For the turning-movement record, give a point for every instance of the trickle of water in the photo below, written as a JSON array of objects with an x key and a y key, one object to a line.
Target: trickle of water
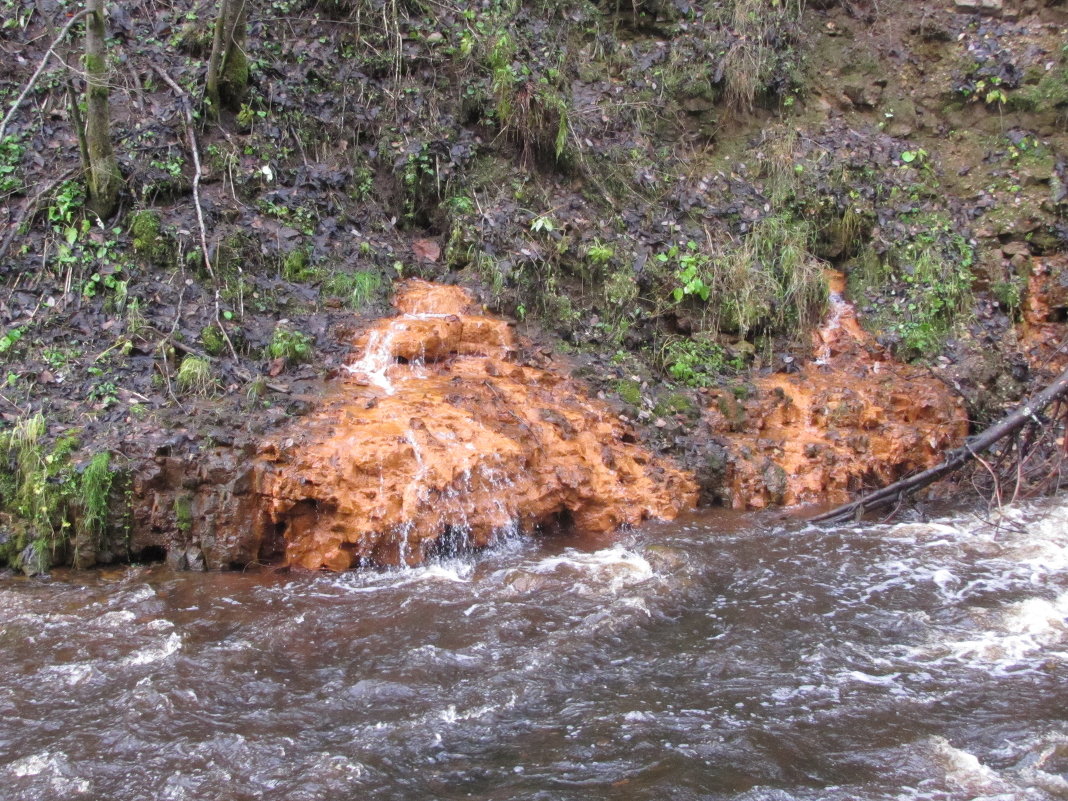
[{"x": 373, "y": 366}]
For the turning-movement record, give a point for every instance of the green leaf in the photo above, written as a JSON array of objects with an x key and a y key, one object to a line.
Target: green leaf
[{"x": 908, "y": 156}]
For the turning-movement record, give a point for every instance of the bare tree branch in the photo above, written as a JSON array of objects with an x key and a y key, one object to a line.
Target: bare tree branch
[{"x": 1007, "y": 426}]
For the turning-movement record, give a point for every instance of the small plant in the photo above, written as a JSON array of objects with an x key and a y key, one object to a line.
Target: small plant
[
  {"x": 599, "y": 253},
  {"x": 105, "y": 393},
  {"x": 293, "y": 346},
  {"x": 689, "y": 265},
  {"x": 194, "y": 376},
  {"x": 11, "y": 151},
  {"x": 693, "y": 362},
  {"x": 543, "y": 224},
  {"x": 460, "y": 204},
  {"x": 919, "y": 156},
  {"x": 10, "y": 339}
]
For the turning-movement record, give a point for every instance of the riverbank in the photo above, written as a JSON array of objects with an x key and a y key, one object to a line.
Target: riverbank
[{"x": 654, "y": 197}]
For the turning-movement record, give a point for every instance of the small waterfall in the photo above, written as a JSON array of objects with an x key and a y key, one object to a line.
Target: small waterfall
[
  {"x": 439, "y": 438},
  {"x": 376, "y": 360},
  {"x": 836, "y": 423}
]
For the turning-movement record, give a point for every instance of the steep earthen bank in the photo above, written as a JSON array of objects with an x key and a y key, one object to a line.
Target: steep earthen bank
[
  {"x": 434, "y": 437},
  {"x": 631, "y": 191}
]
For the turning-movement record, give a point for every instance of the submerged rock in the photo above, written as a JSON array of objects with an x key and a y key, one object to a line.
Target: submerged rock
[{"x": 438, "y": 433}]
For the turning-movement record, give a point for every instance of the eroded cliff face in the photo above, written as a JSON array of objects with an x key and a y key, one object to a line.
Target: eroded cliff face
[
  {"x": 853, "y": 418},
  {"x": 436, "y": 433}
]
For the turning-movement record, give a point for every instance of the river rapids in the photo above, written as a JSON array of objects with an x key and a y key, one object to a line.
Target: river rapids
[{"x": 714, "y": 657}]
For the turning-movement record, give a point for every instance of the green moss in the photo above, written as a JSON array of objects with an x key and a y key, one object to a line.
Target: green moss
[
  {"x": 677, "y": 403},
  {"x": 630, "y": 392},
  {"x": 235, "y": 73},
  {"x": 183, "y": 513},
  {"x": 212, "y": 339},
  {"x": 1049, "y": 92},
  {"x": 149, "y": 242}
]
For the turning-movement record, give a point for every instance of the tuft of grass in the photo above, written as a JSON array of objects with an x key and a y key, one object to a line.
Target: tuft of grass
[
  {"x": 95, "y": 488},
  {"x": 357, "y": 288},
  {"x": 768, "y": 280},
  {"x": 194, "y": 376}
]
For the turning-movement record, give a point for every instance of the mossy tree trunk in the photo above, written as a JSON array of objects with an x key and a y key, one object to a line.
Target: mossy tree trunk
[
  {"x": 102, "y": 171},
  {"x": 227, "y": 77}
]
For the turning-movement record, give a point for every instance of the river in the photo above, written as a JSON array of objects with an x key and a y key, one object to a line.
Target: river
[{"x": 717, "y": 657}]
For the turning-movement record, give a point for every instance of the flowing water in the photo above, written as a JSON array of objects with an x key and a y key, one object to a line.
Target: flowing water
[{"x": 712, "y": 658}]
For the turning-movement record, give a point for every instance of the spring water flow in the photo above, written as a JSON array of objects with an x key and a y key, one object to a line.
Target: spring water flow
[{"x": 710, "y": 658}]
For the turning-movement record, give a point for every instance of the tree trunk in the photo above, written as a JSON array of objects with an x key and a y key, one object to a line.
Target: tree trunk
[
  {"x": 103, "y": 177},
  {"x": 227, "y": 77}
]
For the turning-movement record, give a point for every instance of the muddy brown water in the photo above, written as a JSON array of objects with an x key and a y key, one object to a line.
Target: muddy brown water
[{"x": 711, "y": 658}]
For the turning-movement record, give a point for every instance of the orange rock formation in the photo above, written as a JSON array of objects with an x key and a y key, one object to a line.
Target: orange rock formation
[
  {"x": 1045, "y": 311},
  {"x": 853, "y": 419},
  {"x": 437, "y": 432}
]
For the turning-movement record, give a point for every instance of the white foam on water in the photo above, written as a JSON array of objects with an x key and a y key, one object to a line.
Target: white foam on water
[
  {"x": 118, "y": 618},
  {"x": 964, "y": 770},
  {"x": 614, "y": 568},
  {"x": 1016, "y": 632},
  {"x": 33, "y": 765},
  {"x": 71, "y": 675},
  {"x": 147, "y": 656}
]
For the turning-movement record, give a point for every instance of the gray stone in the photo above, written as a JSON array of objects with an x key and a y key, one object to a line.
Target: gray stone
[{"x": 994, "y": 8}]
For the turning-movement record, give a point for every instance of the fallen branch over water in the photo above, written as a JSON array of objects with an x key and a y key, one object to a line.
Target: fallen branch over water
[{"x": 972, "y": 448}]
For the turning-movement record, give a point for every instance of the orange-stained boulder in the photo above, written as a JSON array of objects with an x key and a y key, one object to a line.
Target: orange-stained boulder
[
  {"x": 853, "y": 419},
  {"x": 460, "y": 442}
]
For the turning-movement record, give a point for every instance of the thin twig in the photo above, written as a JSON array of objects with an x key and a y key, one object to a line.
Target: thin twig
[{"x": 183, "y": 98}]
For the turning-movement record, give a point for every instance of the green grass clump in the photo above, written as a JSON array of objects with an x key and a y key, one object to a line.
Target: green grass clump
[
  {"x": 194, "y": 376},
  {"x": 293, "y": 346},
  {"x": 297, "y": 266},
  {"x": 767, "y": 280},
  {"x": 95, "y": 486},
  {"x": 357, "y": 289}
]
